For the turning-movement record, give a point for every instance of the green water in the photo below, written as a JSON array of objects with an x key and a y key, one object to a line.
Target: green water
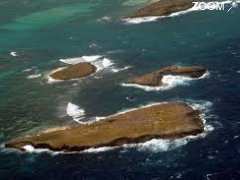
[{"x": 50, "y": 17}]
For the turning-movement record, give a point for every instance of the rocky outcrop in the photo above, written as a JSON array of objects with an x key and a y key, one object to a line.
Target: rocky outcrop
[
  {"x": 167, "y": 120},
  {"x": 155, "y": 78},
  {"x": 163, "y": 8},
  {"x": 74, "y": 71}
]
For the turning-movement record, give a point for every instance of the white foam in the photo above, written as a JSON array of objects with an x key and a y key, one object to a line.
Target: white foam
[
  {"x": 77, "y": 60},
  {"x": 105, "y": 19},
  {"x": 51, "y": 80},
  {"x": 31, "y": 149},
  {"x": 200, "y": 105},
  {"x": 161, "y": 145},
  {"x": 204, "y": 76},
  {"x": 98, "y": 150},
  {"x": 28, "y": 148},
  {"x": 116, "y": 70},
  {"x": 27, "y": 70},
  {"x": 75, "y": 112},
  {"x": 140, "y": 20},
  {"x": 13, "y": 53},
  {"x": 34, "y": 76},
  {"x": 204, "y": 107},
  {"x": 168, "y": 82},
  {"x": 103, "y": 64},
  {"x": 98, "y": 61}
]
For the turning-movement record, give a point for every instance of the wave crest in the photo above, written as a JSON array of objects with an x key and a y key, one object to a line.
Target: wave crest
[
  {"x": 75, "y": 112},
  {"x": 168, "y": 82},
  {"x": 140, "y": 20},
  {"x": 99, "y": 61}
]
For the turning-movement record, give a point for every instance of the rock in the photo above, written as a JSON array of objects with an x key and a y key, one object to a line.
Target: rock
[
  {"x": 163, "y": 8},
  {"x": 166, "y": 120},
  {"x": 155, "y": 78},
  {"x": 74, "y": 71}
]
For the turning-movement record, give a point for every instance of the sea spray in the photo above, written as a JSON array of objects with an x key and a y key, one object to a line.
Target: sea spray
[
  {"x": 116, "y": 70},
  {"x": 139, "y": 20},
  {"x": 75, "y": 112},
  {"x": 34, "y": 76},
  {"x": 13, "y": 53},
  {"x": 168, "y": 82},
  {"x": 77, "y": 60},
  {"x": 98, "y": 61}
]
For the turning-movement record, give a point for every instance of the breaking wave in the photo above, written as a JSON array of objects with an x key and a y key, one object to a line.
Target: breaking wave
[
  {"x": 27, "y": 70},
  {"x": 80, "y": 59},
  {"x": 51, "y": 80},
  {"x": 99, "y": 61},
  {"x": 168, "y": 82},
  {"x": 105, "y": 19},
  {"x": 116, "y": 70},
  {"x": 75, "y": 112},
  {"x": 140, "y": 20},
  {"x": 13, "y": 53},
  {"x": 34, "y": 76}
]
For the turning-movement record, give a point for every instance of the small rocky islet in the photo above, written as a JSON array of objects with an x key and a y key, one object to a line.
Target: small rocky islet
[
  {"x": 163, "y": 8},
  {"x": 166, "y": 120},
  {"x": 75, "y": 71},
  {"x": 155, "y": 78}
]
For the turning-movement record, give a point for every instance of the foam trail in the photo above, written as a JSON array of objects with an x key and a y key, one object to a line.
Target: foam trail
[
  {"x": 31, "y": 149},
  {"x": 116, "y": 70},
  {"x": 168, "y": 82},
  {"x": 28, "y": 148},
  {"x": 105, "y": 19},
  {"x": 34, "y": 76},
  {"x": 75, "y": 112},
  {"x": 14, "y": 54},
  {"x": 140, "y": 20},
  {"x": 27, "y": 70},
  {"x": 98, "y": 150},
  {"x": 204, "y": 107},
  {"x": 77, "y": 60}
]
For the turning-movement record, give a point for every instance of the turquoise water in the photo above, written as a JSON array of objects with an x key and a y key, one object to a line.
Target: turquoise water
[{"x": 42, "y": 32}]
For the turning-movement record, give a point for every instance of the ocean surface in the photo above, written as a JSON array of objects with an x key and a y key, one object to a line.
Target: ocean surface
[{"x": 35, "y": 35}]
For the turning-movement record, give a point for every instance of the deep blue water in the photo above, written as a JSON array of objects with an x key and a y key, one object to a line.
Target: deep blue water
[{"x": 43, "y": 32}]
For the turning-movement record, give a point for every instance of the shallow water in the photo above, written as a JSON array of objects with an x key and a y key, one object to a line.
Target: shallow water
[{"x": 42, "y": 32}]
